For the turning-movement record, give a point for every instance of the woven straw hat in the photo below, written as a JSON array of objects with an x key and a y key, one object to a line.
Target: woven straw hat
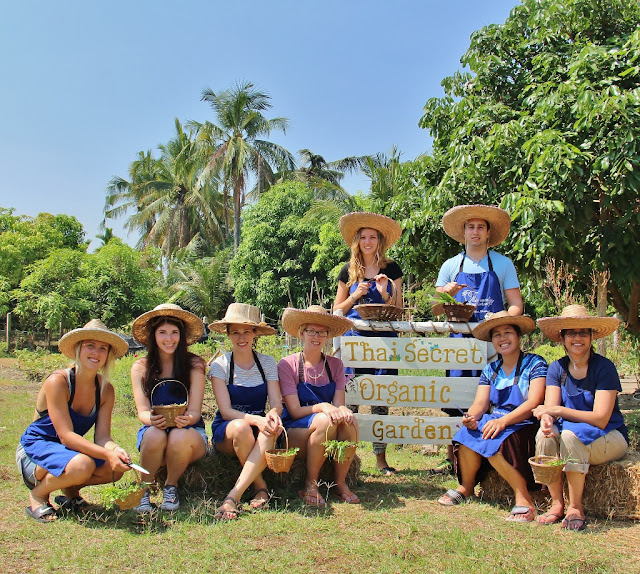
[
  {"x": 351, "y": 222},
  {"x": 293, "y": 319},
  {"x": 193, "y": 326},
  {"x": 482, "y": 331},
  {"x": 453, "y": 221},
  {"x": 242, "y": 314},
  {"x": 96, "y": 330},
  {"x": 577, "y": 317}
]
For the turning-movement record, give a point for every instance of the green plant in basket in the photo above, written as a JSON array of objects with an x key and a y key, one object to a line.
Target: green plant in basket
[
  {"x": 339, "y": 450},
  {"x": 115, "y": 494}
]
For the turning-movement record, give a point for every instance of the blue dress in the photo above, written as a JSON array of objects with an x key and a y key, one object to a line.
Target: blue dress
[
  {"x": 168, "y": 392},
  {"x": 41, "y": 442},
  {"x": 309, "y": 395},
  {"x": 250, "y": 400},
  {"x": 506, "y": 395}
]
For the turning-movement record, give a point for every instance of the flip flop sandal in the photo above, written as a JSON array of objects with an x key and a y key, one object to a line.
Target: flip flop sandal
[
  {"x": 556, "y": 518},
  {"x": 388, "y": 471},
  {"x": 227, "y": 514},
  {"x": 259, "y": 503},
  {"x": 452, "y": 498},
  {"x": 348, "y": 498},
  {"x": 574, "y": 522},
  {"x": 312, "y": 499},
  {"x": 42, "y": 513},
  {"x": 521, "y": 514}
]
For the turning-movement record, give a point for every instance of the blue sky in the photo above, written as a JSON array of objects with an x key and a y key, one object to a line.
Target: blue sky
[{"x": 86, "y": 85}]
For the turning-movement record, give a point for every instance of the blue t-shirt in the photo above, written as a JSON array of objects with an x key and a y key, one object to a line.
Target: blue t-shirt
[
  {"x": 502, "y": 267},
  {"x": 580, "y": 394},
  {"x": 533, "y": 367}
]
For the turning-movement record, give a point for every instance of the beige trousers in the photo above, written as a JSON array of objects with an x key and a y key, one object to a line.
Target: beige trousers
[{"x": 611, "y": 446}]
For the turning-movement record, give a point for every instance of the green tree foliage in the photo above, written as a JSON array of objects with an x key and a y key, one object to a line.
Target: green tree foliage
[
  {"x": 24, "y": 240},
  {"x": 545, "y": 124},
  {"x": 200, "y": 283},
  {"x": 69, "y": 286},
  {"x": 272, "y": 268},
  {"x": 234, "y": 144},
  {"x": 169, "y": 200}
]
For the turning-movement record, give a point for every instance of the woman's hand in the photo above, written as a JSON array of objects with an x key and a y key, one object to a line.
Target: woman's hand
[
  {"x": 361, "y": 290},
  {"x": 469, "y": 421},
  {"x": 336, "y": 416},
  {"x": 272, "y": 424},
  {"x": 382, "y": 281},
  {"x": 158, "y": 421},
  {"x": 118, "y": 459},
  {"x": 349, "y": 417},
  {"x": 546, "y": 425},
  {"x": 493, "y": 427},
  {"x": 550, "y": 410},
  {"x": 184, "y": 420}
]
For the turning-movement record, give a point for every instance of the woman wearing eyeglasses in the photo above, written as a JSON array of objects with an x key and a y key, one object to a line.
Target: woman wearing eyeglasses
[
  {"x": 312, "y": 386},
  {"x": 580, "y": 416}
]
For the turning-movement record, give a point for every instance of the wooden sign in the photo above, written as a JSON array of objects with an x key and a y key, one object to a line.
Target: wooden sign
[
  {"x": 413, "y": 391},
  {"x": 408, "y": 429},
  {"x": 413, "y": 353}
]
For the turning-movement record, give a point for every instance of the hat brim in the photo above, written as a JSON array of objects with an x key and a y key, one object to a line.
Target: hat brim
[
  {"x": 194, "y": 327},
  {"x": 453, "y": 222},
  {"x": 600, "y": 326},
  {"x": 482, "y": 331},
  {"x": 260, "y": 330},
  {"x": 351, "y": 222},
  {"x": 68, "y": 342},
  {"x": 293, "y": 319}
]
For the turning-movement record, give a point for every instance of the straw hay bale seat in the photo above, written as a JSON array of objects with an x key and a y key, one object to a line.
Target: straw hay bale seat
[
  {"x": 216, "y": 474},
  {"x": 612, "y": 490}
]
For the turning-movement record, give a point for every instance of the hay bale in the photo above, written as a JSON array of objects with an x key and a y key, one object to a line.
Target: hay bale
[
  {"x": 612, "y": 490},
  {"x": 216, "y": 474}
]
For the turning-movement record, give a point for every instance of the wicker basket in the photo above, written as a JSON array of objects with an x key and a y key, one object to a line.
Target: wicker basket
[
  {"x": 279, "y": 459},
  {"x": 169, "y": 412},
  {"x": 131, "y": 500},
  {"x": 543, "y": 472},
  {"x": 347, "y": 454},
  {"x": 458, "y": 313},
  {"x": 379, "y": 312}
]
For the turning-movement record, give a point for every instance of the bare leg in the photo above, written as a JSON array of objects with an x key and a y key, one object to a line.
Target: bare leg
[
  {"x": 184, "y": 446},
  {"x": 152, "y": 451},
  {"x": 341, "y": 469},
  {"x": 515, "y": 480},
  {"x": 469, "y": 462}
]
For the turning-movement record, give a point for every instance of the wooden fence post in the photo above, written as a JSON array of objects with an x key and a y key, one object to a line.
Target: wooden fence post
[{"x": 8, "y": 331}]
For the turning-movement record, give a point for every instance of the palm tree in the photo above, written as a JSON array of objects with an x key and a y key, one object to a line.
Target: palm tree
[
  {"x": 172, "y": 203},
  {"x": 383, "y": 171},
  {"x": 234, "y": 147}
]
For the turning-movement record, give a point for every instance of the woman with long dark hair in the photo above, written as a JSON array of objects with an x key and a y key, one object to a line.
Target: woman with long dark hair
[{"x": 169, "y": 374}]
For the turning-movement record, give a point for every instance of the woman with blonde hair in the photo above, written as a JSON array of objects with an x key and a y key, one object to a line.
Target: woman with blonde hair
[
  {"x": 370, "y": 277},
  {"x": 242, "y": 381},
  {"x": 53, "y": 453}
]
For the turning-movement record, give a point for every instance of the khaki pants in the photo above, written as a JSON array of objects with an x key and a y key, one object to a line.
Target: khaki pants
[{"x": 611, "y": 446}]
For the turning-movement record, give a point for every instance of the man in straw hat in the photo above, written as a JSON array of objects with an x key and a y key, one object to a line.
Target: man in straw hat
[
  {"x": 478, "y": 276},
  {"x": 580, "y": 417}
]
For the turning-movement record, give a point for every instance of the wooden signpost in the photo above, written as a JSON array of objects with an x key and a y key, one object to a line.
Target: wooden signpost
[{"x": 414, "y": 391}]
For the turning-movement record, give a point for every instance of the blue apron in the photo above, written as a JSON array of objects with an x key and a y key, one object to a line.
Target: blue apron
[
  {"x": 503, "y": 402},
  {"x": 309, "y": 395},
  {"x": 41, "y": 442},
  {"x": 372, "y": 296},
  {"x": 250, "y": 400},
  {"x": 483, "y": 290},
  {"x": 167, "y": 392},
  {"x": 575, "y": 397}
]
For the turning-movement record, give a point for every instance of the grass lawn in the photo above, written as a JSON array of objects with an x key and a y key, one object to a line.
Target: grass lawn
[{"x": 399, "y": 527}]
